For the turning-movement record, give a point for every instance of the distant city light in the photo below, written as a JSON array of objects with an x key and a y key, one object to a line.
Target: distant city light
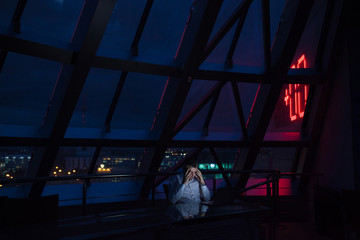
[{"x": 104, "y": 169}]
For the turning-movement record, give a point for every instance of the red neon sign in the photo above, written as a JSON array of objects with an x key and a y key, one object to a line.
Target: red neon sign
[{"x": 296, "y": 94}]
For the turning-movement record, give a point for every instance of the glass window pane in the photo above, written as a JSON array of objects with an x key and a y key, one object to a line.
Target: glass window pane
[
  {"x": 275, "y": 158},
  {"x": 7, "y": 9},
  {"x": 249, "y": 48},
  {"x": 139, "y": 101},
  {"x": 164, "y": 29},
  {"x": 207, "y": 162},
  {"x": 161, "y": 35},
  {"x": 25, "y": 94},
  {"x": 247, "y": 93},
  {"x": 120, "y": 31},
  {"x": 72, "y": 161},
  {"x": 174, "y": 156},
  {"x": 135, "y": 109},
  {"x": 204, "y": 159},
  {"x": 276, "y": 11},
  {"x": 14, "y": 161},
  {"x": 308, "y": 45},
  {"x": 96, "y": 192},
  {"x": 118, "y": 160},
  {"x": 290, "y": 109},
  {"x": 54, "y": 19},
  {"x": 95, "y": 98},
  {"x": 199, "y": 89},
  {"x": 76, "y": 161},
  {"x": 225, "y": 117}
]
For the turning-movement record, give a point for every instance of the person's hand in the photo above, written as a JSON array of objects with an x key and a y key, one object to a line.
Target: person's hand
[
  {"x": 187, "y": 177},
  {"x": 199, "y": 177}
]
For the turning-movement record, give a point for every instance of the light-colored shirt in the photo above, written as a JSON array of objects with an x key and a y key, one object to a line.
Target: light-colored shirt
[{"x": 191, "y": 191}]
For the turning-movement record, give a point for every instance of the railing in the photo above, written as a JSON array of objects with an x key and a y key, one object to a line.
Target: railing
[
  {"x": 87, "y": 179},
  {"x": 271, "y": 182}
]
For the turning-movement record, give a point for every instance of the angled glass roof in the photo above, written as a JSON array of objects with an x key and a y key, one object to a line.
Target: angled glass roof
[
  {"x": 139, "y": 101},
  {"x": 161, "y": 34},
  {"x": 6, "y": 12},
  {"x": 120, "y": 77},
  {"x": 25, "y": 93},
  {"x": 54, "y": 19}
]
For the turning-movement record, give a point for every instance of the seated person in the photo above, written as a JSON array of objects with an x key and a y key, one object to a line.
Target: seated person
[{"x": 190, "y": 186}]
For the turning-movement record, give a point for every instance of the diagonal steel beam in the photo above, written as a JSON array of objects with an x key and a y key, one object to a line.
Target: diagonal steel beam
[
  {"x": 318, "y": 62},
  {"x": 134, "y": 49},
  {"x": 354, "y": 51},
  {"x": 14, "y": 27},
  {"x": 239, "y": 109},
  {"x": 229, "y": 57},
  {"x": 15, "y": 21},
  {"x": 210, "y": 114},
  {"x": 218, "y": 162},
  {"x": 115, "y": 100},
  {"x": 196, "y": 34},
  {"x": 141, "y": 26},
  {"x": 87, "y": 37},
  {"x": 20, "y": 43},
  {"x": 337, "y": 29},
  {"x": 212, "y": 93},
  {"x": 94, "y": 160},
  {"x": 265, "y": 7},
  {"x": 240, "y": 10},
  {"x": 177, "y": 166},
  {"x": 294, "y": 18},
  {"x": 323, "y": 35}
]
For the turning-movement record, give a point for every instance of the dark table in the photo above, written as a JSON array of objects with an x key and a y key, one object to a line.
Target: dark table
[{"x": 239, "y": 220}]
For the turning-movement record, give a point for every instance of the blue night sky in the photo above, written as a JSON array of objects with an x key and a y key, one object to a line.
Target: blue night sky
[{"x": 26, "y": 82}]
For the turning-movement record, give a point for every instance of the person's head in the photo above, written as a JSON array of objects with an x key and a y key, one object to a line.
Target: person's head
[{"x": 191, "y": 165}]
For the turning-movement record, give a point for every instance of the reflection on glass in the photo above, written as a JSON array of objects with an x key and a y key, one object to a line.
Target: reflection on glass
[
  {"x": 25, "y": 93},
  {"x": 172, "y": 157},
  {"x": 14, "y": 161},
  {"x": 117, "y": 161},
  {"x": 290, "y": 107},
  {"x": 6, "y": 11},
  {"x": 275, "y": 158},
  {"x": 204, "y": 159},
  {"x": 186, "y": 210},
  {"x": 55, "y": 19},
  {"x": 71, "y": 161}
]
